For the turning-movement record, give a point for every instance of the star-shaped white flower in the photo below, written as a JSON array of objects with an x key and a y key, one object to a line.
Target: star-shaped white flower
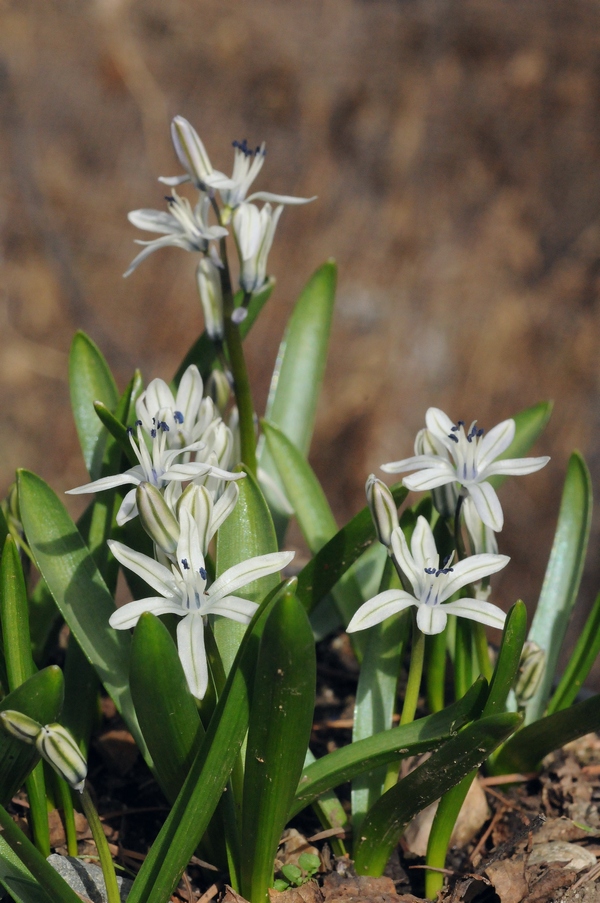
[
  {"x": 157, "y": 466},
  {"x": 432, "y": 585},
  {"x": 184, "y": 227},
  {"x": 188, "y": 413},
  {"x": 467, "y": 457},
  {"x": 183, "y": 591},
  {"x": 254, "y": 230}
]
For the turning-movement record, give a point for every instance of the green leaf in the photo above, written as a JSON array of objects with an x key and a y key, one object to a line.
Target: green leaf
[
  {"x": 203, "y": 352},
  {"x": 298, "y": 374},
  {"x": 583, "y": 657},
  {"x": 43, "y": 873},
  {"x": 17, "y": 880},
  {"x": 41, "y": 698},
  {"x": 322, "y": 572},
  {"x": 247, "y": 532},
  {"x": 529, "y": 425},
  {"x": 90, "y": 380},
  {"x": 443, "y": 770},
  {"x": 562, "y": 578},
  {"x": 208, "y": 775},
  {"x": 79, "y": 591},
  {"x": 283, "y": 702},
  {"x": 524, "y": 752},
  {"x": 509, "y": 657},
  {"x": 166, "y": 710},
  {"x": 389, "y": 746},
  {"x": 14, "y": 613},
  {"x": 117, "y": 430}
]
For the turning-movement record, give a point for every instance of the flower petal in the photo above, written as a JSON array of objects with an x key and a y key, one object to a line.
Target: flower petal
[
  {"x": 431, "y": 619},
  {"x": 416, "y": 462},
  {"x": 477, "y": 610},
  {"x": 128, "y": 508},
  {"x": 278, "y": 198},
  {"x": 422, "y": 545},
  {"x": 128, "y": 615},
  {"x": 488, "y": 504},
  {"x": 405, "y": 560},
  {"x": 135, "y": 475},
  {"x": 190, "y": 645},
  {"x": 245, "y": 572},
  {"x": 189, "y": 393},
  {"x": 470, "y": 570},
  {"x": 515, "y": 466},
  {"x": 439, "y": 424},
  {"x": 431, "y": 478},
  {"x": 379, "y": 608},
  {"x": 156, "y": 575},
  {"x": 494, "y": 443},
  {"x": 154, "y": 221},
  {"x": 234, "y": 608}
]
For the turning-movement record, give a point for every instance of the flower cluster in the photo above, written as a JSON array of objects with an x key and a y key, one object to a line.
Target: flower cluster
[
  {"x": 461, "y": 462},
  {"x": 182, "y": 439},
  {"x": 188, "y": 227}
]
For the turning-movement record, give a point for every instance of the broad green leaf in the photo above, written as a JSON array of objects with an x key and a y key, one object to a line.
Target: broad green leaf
[
  {"x": 314, "y": 516},
  {"x": 90, "y": 380},
  {"x": 329, "y": 811},
  {"x": 389, "y": 746},
  {"x": 283, "y": 702},
  {"x": 562, "y": 578},
  {"x": 376, "y": 694},
  {"x": 583, "y": 657},
  {"x": 298, "y": 375},
  {"x": 17, "y": 880},
  {"x": 442, "y": 827},
  {"x": 117, "y": 430},
  {"x": 166, "y": 710},
  {"x": 524, "y": 752},
  {"x": 443, "y": 770},
  {"x": 322, "y": 572},
  {"x": 209, "y": 772},
  {"x": 529, "y": 425},
  {"x": 14, "y": 613},
  {"x": 41, "y": 698},
  {"x": 247, "y": 532},
  {"x": 79, "y": 591},
  {"x": 203, "y": 352},
  {"x": 509, "y": 656},
  {"x": 41, "y": 871}
]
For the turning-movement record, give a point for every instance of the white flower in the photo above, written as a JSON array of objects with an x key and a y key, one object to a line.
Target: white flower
[
  {"x": 469, "y": 458},
  {"x": 254, "y": 230},
  {"x": 184, "y": 227},
  {"x": 193, "y": 157},
  {"x": 187, "y": 413},
  {"x": 156, "y": 466},
  {"x": 247, "y": 164},
  {"x": 432, "y": 584},
  {"x": 183, "y": 591}
]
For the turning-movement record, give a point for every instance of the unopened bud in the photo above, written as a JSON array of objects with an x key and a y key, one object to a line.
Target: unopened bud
[
  {"x": 57, "y": 746},
  {"x": 383, "y": 509},
  {"x": 531, "y": 671},
  {"x": 157, "y": 519},
  {"x": 211, "y": 297},
  {"x": 20, "y": 726},
  {"x": 191, "y": 151},
  {"x": 219, "y": 389}
]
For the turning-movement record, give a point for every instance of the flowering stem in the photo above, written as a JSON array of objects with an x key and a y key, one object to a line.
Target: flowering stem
[
  {"x": 436, "y": 671},
  {"x": 415, "y": 673},
  {"x": 241, "y": 383},
  {"x": 106, "y": 861}
]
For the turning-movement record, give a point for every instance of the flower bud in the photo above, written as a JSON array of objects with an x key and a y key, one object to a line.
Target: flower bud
[
  {"x": 57, "y": 746},
  {"x": 253, "y": 231},
  {"x": 211, "y": 298},
  {"x": 191, "y": 151},
  {"x": 219, "y": 389},
  {"x": 531, "y": 671},
  {"x": 445, "y": 497},
  {"x": 20, "y": 726},
  {"x": 383, "y": 509},
  {"x": 157, "y": 519}
]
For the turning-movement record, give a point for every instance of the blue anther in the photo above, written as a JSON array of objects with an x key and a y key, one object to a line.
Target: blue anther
[
  {"x": 430, "y": 570},
  {"x": 130, "y": 431},
  {"x": 461, "y": 422},
  {"x": 153, "y": 434},
  {"x": 169, "y": 198},
  {"x": 480, "y": 433},
  {"x": 454, "y": 429},
  {"x": 164, "y": 426},
  {"x": 202, "y": 573},
  {"x": 138, "y": 422},
  {"x": 454, "y": 438},
  {"x": 179, "y": 418},
  {"x": 185, "y": 564}
]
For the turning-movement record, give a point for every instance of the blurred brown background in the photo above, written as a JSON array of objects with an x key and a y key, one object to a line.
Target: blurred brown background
[{"x": 455, "y": 150}]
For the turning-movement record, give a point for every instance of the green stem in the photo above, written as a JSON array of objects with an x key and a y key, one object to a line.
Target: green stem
[
  {"x": 106, "y": 861},
  {"x": 462, "y": 658},
  {"x": 441, "y": 832},
  {"x": 436, "y": 671},
  {"x": 66, "y": 802},
  {"x": 415, "y": 673},
  {"x": 483, "y": 651},
  {"x": 458, "y": 537},
  {"x": 241, "y": 382}
]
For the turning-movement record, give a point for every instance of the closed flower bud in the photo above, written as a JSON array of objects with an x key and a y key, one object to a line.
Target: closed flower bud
[
  {"x": 531, "y": 671},
  {"x": 211, "y": 297},
  {"x": 157, "y": 519},
  {"x": 383, "y": 509},
  {"x": 20, "y": 726},
  {"x": 56, "y": 745},
  {"x": 219, "y": 389}
]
